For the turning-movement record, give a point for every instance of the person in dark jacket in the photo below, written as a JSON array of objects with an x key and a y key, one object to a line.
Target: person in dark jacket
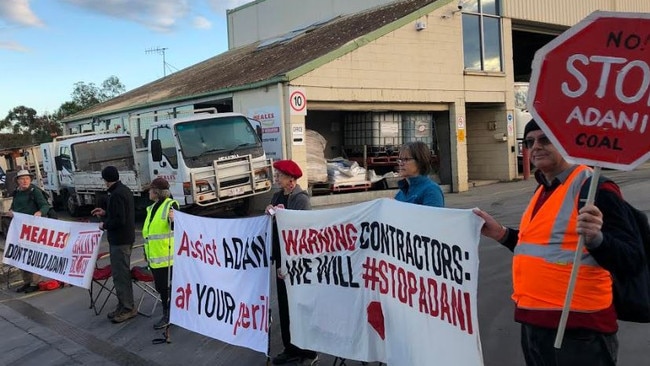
[
  {"x": 28, "y": 200},
  {"x": 118, "y": 220},
  {"x": 414, "y": 165},
  {"x": 544, "y": 247},
  {"x": 292, "y": 197}
]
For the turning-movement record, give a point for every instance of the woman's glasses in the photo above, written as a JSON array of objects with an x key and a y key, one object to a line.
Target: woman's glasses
[
  {"x": 404, "y": 160},
  {"x": 542, "y": 140}
]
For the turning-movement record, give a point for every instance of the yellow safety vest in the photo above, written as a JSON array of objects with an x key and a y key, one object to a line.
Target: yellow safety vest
[{"x": 158, "y": 236}]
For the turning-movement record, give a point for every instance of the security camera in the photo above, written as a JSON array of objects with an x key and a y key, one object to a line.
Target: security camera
[{"x": 460, "y": 4}]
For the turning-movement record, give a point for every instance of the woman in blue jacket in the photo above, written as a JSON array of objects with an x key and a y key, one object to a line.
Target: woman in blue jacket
[{"x": 414, "y": 165}]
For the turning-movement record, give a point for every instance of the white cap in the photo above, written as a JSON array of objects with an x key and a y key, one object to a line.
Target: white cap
[{"x": 22, "y": 173}]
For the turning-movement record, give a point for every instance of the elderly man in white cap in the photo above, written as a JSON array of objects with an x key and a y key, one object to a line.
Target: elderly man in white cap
[{"x": 29, "y": 200}]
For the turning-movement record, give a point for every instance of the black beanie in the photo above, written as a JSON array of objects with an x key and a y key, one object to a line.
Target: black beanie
[
  {"x": 110, "y": 174},
  {"x": 531, "y": 126}
]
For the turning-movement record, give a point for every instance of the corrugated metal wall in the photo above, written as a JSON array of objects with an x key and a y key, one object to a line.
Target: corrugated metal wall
[
  {"x": 639, "y": 6},
  {"x": 567, "y": 13}
]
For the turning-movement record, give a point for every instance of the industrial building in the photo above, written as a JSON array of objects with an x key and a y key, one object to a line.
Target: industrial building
[{"x": 368, "y": 76}]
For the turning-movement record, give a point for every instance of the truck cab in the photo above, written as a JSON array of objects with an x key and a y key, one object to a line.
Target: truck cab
[{"x": 210, "y": 160}]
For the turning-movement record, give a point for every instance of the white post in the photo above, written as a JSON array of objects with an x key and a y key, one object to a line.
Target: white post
[{"x": 593, "y": 187}]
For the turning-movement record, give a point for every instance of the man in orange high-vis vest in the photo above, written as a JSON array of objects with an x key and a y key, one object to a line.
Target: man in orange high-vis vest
[{"x": 544, "y": 247}]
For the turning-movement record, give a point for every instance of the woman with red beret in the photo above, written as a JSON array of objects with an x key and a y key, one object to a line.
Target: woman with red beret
[{"x": 292, "y": 197}]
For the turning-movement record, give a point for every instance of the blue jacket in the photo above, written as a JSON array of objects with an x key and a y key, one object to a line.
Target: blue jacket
[{"x": 420, "y": 190}]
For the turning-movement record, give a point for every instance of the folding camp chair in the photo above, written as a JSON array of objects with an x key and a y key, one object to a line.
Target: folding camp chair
[
  {"x": 143, "y": 279},
  {"x": 100, "y": 288}
]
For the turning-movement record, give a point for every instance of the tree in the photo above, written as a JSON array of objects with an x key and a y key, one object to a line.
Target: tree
[
  {"x": 47, "y": 127},
  {"x": 36, "y": 129},
  {"x": 67, "y": 109},
  {"x": 87, "y": 95},
  {"x": 111, "y": 88},
  {"x": 22, "y": 119},
  {"x": 27, "y": 125}
]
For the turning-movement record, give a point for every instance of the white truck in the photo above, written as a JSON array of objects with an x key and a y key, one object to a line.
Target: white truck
[
  {"x": 213, "y": 161},
  {"x": 522, "y": 116},
  {"x": 67, "y": 158}
]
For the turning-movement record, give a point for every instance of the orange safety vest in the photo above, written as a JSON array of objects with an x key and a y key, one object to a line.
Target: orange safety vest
[{"x": 544, "y": 255}]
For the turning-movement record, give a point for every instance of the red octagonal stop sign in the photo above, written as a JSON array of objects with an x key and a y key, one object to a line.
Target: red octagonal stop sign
[{"x": 590, "y": 90}]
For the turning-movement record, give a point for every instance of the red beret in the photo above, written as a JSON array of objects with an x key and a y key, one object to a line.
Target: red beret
[
  {"x": 288, "y": 167},
  {"x": 159, "y": 183}
]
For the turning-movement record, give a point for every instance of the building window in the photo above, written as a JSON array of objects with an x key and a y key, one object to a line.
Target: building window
[{"x": 482, "y": 35}]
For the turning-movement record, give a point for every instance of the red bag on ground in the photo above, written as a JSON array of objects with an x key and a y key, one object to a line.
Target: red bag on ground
[{"x": 50, "y": 285}]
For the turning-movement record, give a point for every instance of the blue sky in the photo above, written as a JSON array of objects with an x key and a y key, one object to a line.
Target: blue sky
[{"x": 46, "y": 46}]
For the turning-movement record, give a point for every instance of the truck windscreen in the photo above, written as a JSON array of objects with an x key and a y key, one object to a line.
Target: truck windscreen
[{"x": 218, "y": 135}]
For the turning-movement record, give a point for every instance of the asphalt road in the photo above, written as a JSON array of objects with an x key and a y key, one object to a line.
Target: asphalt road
[{"x": 57, "y": 328}]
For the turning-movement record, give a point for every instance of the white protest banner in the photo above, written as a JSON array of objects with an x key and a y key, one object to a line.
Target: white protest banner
[
  {"x": 221, "y": 278},
  {"x": 61, "y": 250},
  {"x": 384, "y": 281}
]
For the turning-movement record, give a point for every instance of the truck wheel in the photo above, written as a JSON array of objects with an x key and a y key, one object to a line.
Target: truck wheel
[
  {"x": 243, "y": 209},
  {"x": 73, "y": 209}
]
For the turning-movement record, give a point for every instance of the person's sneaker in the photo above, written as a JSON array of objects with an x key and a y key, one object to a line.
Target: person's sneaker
[
  {"x": 22, "y": 288},
  {"x": 125, "y": 315},
  {"x": 31, "y": 288},
  {"x": 112, "y": 314},
  {"x": 162, "y": 323},
  {"x": 284, "y": 358}
]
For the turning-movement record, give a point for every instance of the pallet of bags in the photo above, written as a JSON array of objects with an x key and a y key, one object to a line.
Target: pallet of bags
[{"x": 346, "y": 175}]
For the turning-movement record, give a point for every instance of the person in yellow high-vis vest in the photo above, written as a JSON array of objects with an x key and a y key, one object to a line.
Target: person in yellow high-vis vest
[
  {"x": 158, "y": 234},
  {"x": 544, "y": 247}
]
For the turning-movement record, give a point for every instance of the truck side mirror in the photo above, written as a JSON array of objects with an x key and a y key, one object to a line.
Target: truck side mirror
[
  {"x": 58, "y": 163},
  {"x": 156, "y": 150},
  {"x": 258, "y": 129}
]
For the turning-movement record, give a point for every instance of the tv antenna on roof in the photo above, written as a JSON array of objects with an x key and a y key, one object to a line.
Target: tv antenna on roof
[{"x": 159, "y": 51}]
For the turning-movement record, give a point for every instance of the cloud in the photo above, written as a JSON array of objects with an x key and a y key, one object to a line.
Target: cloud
[
  {"x": 19, "y": 12},
  {"x": 12, "y": 46},
  {"x": 159, "y": 15},
  {"x": 200, "y": 22},
  {"x": 220, "y": 6}
]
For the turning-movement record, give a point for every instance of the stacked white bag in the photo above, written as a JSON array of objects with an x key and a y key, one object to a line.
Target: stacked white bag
[{"x": 316, "y": 162}]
